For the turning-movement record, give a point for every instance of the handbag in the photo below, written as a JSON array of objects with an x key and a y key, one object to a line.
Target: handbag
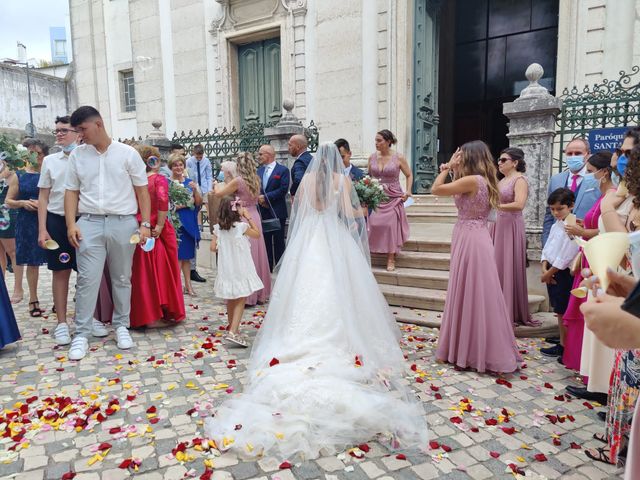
[{"x": 270, "y": 225}]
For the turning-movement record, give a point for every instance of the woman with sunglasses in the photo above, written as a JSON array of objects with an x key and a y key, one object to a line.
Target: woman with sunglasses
[
  {"x": 509, "y": 238},
  {"x": 156, "y": 288}
]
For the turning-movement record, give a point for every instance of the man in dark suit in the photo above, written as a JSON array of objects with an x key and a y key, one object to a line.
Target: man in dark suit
[
  {"x": 274, "y": 184},
  {"x": 298, "y": 149},
  {"x": 353, "y": 172}
]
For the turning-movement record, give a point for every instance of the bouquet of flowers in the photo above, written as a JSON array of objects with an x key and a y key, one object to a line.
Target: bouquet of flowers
[
  {"x": 370, "y": 192},
  {"x": 15, "y": 157},
  {"x": 178, "y": 195}
]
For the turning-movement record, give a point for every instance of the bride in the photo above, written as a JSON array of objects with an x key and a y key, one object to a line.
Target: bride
[{"x": 326, "y": 371}]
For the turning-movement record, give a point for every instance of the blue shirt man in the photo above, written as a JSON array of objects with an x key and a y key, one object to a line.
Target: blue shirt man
[{"x": 199, "y": 168}]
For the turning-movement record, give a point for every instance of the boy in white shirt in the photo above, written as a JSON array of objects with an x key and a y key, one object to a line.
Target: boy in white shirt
[{"x": 557, "y": 256}]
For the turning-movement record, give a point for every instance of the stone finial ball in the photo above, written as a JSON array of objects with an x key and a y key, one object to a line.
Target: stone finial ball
[
  {"x": 156, "y": 124},
  {"x": 534, "y": 72},
  {"x": 287, "y": 104}
]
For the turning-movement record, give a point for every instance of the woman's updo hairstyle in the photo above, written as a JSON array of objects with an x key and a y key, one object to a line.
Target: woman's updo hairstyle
[{"x": 388, "y": 136}]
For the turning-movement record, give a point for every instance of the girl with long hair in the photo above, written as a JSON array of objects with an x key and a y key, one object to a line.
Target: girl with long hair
[
  {"x": 241, "y": 180},
  {"x": 236, "y": 278},
  {"x": 476, "y": 330}
]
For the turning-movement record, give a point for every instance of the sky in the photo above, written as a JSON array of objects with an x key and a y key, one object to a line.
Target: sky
[{"x": 28, "y": 21}]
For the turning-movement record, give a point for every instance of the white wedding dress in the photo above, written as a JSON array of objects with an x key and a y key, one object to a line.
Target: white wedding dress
[{"x": 326, "y": 371}]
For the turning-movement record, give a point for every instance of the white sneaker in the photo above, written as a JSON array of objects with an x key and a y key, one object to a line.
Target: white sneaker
[
  {"x": 79, "y": 347},
  {"x": 61, "y": 334},
  {"x": 98, "y": 329},
  {"x": 123, "y": 339}
]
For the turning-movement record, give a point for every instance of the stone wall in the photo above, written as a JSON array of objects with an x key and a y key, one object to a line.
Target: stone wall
[{"x": 56, "y": 93}]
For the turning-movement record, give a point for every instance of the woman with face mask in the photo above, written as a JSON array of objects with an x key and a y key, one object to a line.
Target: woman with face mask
[{"x": 598, "y": 166}]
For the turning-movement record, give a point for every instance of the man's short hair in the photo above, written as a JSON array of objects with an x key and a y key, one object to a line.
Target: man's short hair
[
  {"x": 584, "y": 141},
  {"x": 82, "y": 114},
  {"x": 63, "y": 119},
  {"x": 198, "y": 149},
  {"x": 176, "y": 146},
  {"x": 341, "y": 142}
]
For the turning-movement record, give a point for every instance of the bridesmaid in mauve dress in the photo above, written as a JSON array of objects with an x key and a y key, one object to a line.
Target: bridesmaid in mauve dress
[
  {"x": 509, "y": 237},
  {"x": 388, "y": 226},
  {"x": 245, "y": 184},
  {"x": 476, "y": 330}
]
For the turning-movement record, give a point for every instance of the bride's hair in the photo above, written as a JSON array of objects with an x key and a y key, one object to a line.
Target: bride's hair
[
  {"x": 227, "y": 216},
  {"x": 477, "y": 160}
]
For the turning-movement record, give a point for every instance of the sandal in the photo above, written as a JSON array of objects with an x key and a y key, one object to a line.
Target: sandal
[
  {"x": 237, "y": 339},
  {"x": 16, "y": 299},
  {"x": 35, "y": 311},
  {"x": 391, "y": 266},
  {"x": 601, "y": 455},
  {"x": 600, "y": 437}
]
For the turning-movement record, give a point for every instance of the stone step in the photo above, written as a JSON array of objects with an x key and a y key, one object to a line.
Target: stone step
[
  {"x": 405, "y": 259},
  {"x": 432, "y": 299},
  {"x": 431, "y": 217},
  {"x": 432, "y": 207},
  {"x": 413, "y": 277},
  {"x": 433, "y": 199},
  {"x": 416, "y": 244},
  {"x": 433, "y": 319}
]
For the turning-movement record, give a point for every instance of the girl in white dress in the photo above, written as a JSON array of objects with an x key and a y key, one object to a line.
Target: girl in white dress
[{"x": 237, "y": 277}]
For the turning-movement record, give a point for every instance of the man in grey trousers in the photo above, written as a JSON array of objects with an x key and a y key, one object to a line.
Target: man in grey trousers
[{"x": 106, "y": 182}]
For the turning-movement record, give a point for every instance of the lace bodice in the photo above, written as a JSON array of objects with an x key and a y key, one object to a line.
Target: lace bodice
[{"x": 474, "y": 207}]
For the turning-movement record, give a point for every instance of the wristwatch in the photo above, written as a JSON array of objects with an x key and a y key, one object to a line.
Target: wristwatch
[{"x": 145, "y": 225}]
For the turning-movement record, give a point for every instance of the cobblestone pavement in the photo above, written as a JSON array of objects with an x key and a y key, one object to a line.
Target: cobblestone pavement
[{"x": 144, "y": 408}]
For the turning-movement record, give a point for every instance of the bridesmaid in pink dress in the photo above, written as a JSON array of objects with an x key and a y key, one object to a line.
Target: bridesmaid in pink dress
[
  {"x": 509, "y": 237},
  {"x": 476, "y": 330},
  {"x": 245, "y": 185},
  {"x": 388, "y": 226},
  {"x": 599, "y": 164}
]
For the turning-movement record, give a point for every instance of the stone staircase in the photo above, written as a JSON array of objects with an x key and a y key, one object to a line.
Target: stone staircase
[{"x": 416, "y": 290}]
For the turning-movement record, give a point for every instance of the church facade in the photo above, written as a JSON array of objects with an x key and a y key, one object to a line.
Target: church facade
[{"x": 435, "y": 72}]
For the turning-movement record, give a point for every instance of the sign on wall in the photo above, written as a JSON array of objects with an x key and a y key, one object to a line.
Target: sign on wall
[{"x": 606, "y": 138}]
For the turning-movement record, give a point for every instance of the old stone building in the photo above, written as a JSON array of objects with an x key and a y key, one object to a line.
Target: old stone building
[{"x": 436, "y": 72}]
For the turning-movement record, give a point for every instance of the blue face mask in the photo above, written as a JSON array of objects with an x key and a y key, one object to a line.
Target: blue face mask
[
  {"x": 615, "y": 178},
  {"x": 69, "y": 148},
  {"x": 221, "y": 176},
  {"x": 622, "y": 164},
  {"x": 575, "y": 163},
  {"x": 589, "y": 176}
]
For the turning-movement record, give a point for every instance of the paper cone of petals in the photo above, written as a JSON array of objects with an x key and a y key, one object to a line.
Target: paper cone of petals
[{"x": 605, "y": 251}]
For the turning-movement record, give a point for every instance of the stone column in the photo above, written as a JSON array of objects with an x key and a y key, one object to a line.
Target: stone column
[
  {"x": 532, "y": 127},
  {"x": 279, "y": 135},
  {"x": 157, "y": 138}
]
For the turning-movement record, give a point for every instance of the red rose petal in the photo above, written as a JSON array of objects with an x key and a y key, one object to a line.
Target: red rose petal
[
  {"x": 434, "y": 388},
  {"x": 274, "y": 361},
  {"x": 547, "y": 385},
  {"x": 456, "y": 420},
  {"x": 104, "y": 446},
  {"x": 446, "y": 448},
  {"x": 115, "y": 430},
  {"x": 126, "y": 463},
  {"x": 491, "y": 421},
  {"x": 207, "y": 474},
  {"x": 508, "y": 430},
  {"x": 557, "y": 442},
  {"x": 434, "y": 445},
  {"x": 419, "y": 380},
  {"x": 154, "y": 420},
  {"x": 438, "y": 396},
  {"x": 575, "y": 446},
  {"x": 494, "y": 454},
  {"x": 401, "y": 456},
  {"x": 284, "y": 465},
  {"x": 540, "y": 457},
  {"x": 152, "y": 409},
  {"x": 588, "y": 405},
  {"x": 68, "y": 476}
]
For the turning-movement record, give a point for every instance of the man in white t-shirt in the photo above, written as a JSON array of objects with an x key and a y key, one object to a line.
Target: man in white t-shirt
[{"x": 106, "y": 184}]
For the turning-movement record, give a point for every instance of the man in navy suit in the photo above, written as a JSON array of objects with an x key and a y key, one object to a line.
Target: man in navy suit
[
  {"x": 353, "y": 172},
  {"x": 585, "y": 188},
  {"x": 298, "y": 149},
  {"x": 274, "y": 184}
]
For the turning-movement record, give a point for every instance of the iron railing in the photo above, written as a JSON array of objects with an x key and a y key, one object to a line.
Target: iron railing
[{"x": 609, "y": 104}]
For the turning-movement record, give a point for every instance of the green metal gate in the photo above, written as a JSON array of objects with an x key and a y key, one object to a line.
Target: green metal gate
[{"x": 611, "y": 103}]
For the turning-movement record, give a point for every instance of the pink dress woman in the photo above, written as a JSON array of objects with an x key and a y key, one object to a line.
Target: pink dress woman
[
  {"x": 510, "y": 245},
  {"x": 476, "y": 330},
  {"x": 572, "y": 318},
  {"x": 258, "y": 248},
  {"x": 388, "y": 226}
]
